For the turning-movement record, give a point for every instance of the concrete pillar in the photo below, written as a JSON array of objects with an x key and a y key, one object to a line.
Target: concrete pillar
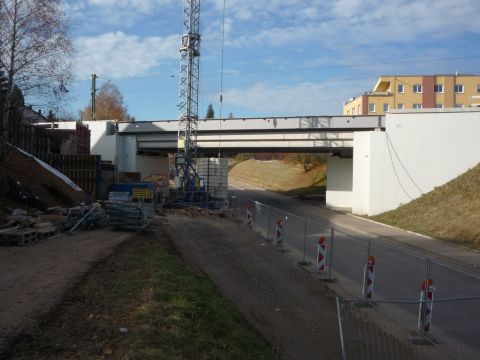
[{"x": 339, "y": 182}]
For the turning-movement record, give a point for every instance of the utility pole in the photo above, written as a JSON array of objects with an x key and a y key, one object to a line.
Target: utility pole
[
  {"x": 185, "y": 161},
  {"x": 94, "y": 93}
]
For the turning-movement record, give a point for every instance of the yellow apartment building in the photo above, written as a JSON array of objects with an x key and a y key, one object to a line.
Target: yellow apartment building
[{"x": 416, "y": 92}]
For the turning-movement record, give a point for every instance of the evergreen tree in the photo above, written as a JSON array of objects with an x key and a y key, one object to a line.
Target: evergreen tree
[
  {"x": 51, "y": 116},
  {"x": 210, "y": 112}
]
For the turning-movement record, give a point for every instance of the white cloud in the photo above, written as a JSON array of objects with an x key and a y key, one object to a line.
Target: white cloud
[
  {"x": 144, "y": 6},
  {"x": 117, "y": 55},
  {"x": 305, "y": 98},
  {"x": 357, "y": 22}
]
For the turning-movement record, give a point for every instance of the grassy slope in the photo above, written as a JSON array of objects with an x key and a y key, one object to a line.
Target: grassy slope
[
  {"x": 170, "y": 312},
  {"x": 280, "y": 176},
  {"x": 450, "y": 212}
]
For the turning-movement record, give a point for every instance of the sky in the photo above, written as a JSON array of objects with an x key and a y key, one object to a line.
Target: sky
[{"x": 281, "y": 57}]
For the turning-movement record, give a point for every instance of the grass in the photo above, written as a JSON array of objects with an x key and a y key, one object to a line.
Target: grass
[
  {"x": 170, "y": 313},
  {"x": 449, "y": 212},
  {"x": 281, "y": 176}
]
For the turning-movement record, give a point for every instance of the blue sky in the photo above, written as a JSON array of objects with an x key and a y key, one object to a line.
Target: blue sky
[{"x": 282, "y": 57}]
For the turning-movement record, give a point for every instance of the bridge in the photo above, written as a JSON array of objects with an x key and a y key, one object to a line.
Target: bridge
[{"x": 327, "y": 134}]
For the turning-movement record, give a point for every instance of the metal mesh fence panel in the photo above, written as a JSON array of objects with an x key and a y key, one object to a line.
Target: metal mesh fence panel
[
  {"x": 450, "y": 282},
  {"x": 260, "y": 218},
  {"x": 375, "y": 333},
  {"x": 398, "y": 274},
  {"x": 349, "y": 258},
  {"x": 455, "y": 324},
  {"x": 294, "y": 235}
]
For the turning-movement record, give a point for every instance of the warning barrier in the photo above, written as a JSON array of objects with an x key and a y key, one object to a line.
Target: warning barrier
[
  {"x": 249, "y": 214},
  {"x": 426, "y": 306},
  {"x": 279, "y": 233},
  {"x": 321, "y": 253},
  {"x": 368, "y": 277}
]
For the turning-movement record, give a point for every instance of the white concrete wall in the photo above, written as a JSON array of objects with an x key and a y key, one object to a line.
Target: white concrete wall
[
  {"x": 148, "y": 165},
  {"x": 127, "y": 153},
  {"x": 101, "y": 143},
  {"x": 417, "y": 152},
  {"x": 339, "y": 182}
]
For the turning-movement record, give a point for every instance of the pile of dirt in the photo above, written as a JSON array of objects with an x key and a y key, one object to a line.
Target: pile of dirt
[{"x": 33, "y": 186}]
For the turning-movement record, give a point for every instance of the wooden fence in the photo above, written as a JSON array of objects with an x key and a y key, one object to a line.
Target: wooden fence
[{"x": 84, "y": 170}]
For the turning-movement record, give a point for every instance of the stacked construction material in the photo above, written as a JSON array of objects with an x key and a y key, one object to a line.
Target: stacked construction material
[
  {"x": 126, "y": 215},
  {"x": 27, "y": 231},
  {"x": 214, "y": 173}
]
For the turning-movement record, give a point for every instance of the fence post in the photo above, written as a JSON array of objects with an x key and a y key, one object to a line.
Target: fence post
[
  {"x": 340, "y": 329},
  {"x": 268, "y": 220},
  {"x": 330, "y": 257},
  {"x": 305, "y": 241}
]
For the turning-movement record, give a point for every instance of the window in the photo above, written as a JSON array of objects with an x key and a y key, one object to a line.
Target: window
[
  {"x": 417, "y": 106},
  {"x": 359, "y": 110},
  {"x": 478, "y": 88},
  {"x": 459, "y": 88},
  {"x": 371, "y": 107},
  {"x": 353, "y": 111},
  {"x": 438, "y": 106},
  {"x": 386, "y": 108},
  {"x": 438, "y": 88},
  {"x": 401, "y": 88},
  {"x": 459, "y": 106},
  {"x": 417, "y": 88},
  {"x": 401, "y": 106}
]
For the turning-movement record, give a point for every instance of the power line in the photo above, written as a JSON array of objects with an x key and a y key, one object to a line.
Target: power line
[{"x": 221, "y": 78}]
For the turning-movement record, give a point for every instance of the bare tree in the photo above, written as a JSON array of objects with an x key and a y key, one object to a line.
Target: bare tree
[
  {"x": 109, "y": 105},
  {"x": 34, "y": 51}
]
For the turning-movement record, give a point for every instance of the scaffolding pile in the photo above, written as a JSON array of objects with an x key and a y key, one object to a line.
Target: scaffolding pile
[{"x": 126, "y": 215}]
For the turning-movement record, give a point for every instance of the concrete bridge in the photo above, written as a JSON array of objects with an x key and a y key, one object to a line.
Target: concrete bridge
[
  {"x": 378, "y": 162},
  {"x": 327, "y": 134}
]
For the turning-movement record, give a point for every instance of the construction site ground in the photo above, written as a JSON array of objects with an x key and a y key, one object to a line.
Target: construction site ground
[
  {"x": 35, "y": 278},
  {"x": 294, "y": 311}
]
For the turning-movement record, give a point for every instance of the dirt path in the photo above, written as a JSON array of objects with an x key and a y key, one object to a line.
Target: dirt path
[
  {"x": 34, "y": 278},
  {"x": 284, "y": 302}
]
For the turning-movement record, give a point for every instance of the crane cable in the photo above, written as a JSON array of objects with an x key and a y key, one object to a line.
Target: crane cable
[{"x": 221, "y": 81}]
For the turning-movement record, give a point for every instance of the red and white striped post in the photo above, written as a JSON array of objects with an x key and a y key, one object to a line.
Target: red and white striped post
[
  {"x": 368, "y": 277},
  {"x": 249, "y": 214},
  {"x": 321, "y": 253},
  {"x": 279, "y": 232},
  {"x": 426, "y": 306}
]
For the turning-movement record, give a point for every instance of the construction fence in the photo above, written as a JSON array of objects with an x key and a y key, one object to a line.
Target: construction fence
[{"x": 411, "y": 289}]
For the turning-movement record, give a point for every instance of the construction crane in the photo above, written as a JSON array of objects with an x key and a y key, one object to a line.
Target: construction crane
[{"x": 187, "y": 181}]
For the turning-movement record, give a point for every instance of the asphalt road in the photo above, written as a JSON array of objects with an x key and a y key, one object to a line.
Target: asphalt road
[{"x": 403, "y": 261}]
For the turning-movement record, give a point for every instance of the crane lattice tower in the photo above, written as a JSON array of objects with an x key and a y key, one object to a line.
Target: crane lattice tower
[{"x": 188, "y": 97}]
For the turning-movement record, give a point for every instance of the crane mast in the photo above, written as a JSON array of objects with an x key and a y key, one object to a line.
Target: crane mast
[{"x": 185, "y": 161}]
